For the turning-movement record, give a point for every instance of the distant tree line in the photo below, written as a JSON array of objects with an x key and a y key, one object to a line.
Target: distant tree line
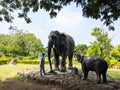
[{"x": 19, "y": 43}]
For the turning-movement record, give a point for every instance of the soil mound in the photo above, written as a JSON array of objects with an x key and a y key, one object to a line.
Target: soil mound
[{"x": 68, "y": 81}]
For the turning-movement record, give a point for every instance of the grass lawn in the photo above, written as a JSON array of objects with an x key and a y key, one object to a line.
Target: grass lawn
[
  {"x": 10, "y": 71},
  {"x": 114, "y": 73}
]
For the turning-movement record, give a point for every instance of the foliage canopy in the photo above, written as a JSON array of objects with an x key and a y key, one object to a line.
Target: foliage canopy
[
  {"x": 107, "y": 11},
  {"x": 81, "y": 48},
  {"x": 19, "y": 43}
]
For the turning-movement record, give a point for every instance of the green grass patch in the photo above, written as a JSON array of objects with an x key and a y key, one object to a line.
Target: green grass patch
[
  {"x": 10, "y": 71},
  {"x": 114, "y": 73}
]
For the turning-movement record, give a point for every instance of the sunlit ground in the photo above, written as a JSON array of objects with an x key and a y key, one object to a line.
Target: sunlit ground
[{"x": 10, "y": 71}]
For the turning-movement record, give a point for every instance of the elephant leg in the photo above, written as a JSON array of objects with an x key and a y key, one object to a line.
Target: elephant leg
[
  {"x": 70, "y": 61},
  {"x": 63, "y": 63},
  {"x": 56, "y": 62},
  {"x": 85, "y": 71},
  {"x": 85, "y": 74},
  {"x": 104, "y": 78},
  {"x": 98, "y": 78}
]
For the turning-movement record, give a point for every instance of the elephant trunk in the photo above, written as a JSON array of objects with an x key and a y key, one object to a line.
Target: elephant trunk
[
  {"x": 50, "y": 45},
  {"x": 49, "y": 58}
]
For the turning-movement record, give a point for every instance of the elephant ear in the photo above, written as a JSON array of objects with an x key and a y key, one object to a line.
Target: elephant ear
[
  {"x": 63, "y": 40},
  {"x": 63, "y": 37}
]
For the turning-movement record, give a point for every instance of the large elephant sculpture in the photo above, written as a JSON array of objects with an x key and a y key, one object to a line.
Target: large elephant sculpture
[
  {"x": 93, "y": 63},
  {"x": 62, "y": 45}
]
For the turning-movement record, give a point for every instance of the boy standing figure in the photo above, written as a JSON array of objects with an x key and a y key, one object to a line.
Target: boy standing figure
[{"x": 42, "y": 69}]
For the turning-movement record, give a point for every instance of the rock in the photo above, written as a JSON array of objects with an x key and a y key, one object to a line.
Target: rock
[{"x": 13, "y": 62}]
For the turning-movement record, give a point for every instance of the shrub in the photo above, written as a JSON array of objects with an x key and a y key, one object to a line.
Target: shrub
[
  {"x": 1, "y": 54},
  {"x": 27, "y": 58},
  {"x": 28, "y": 61},
  {"x": 4, "y": 61},
  {"x": 32, "y": 57},
  {"x": 114, "y": 63},
  {"x": 118, "y": 64},
  {"x": 21, "y": 57}
]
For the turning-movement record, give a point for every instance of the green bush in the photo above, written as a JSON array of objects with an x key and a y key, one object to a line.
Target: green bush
[
  {"x": 21, "y": 57},
  {"x": 27, "y": 58},
  {"x": 114, "y": 63},
  {"x": 28, "y": 61},
  {"x": 32, "y": 57},
  {"x": 4, "y": 61},
  {"x": 23, "y": 60},
  {"x": 118, "y": 64},
  {"x": 1, "y": 54}
]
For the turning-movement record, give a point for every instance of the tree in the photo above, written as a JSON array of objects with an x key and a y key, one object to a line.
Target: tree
[
  {"x": 25, "y": 43},
  {"x": 19, "y": 43},
  {"x": 81, "y": 48},
  {"x": 106, "y": 10},
  {"x": 102, "y": 43},
  {"x": 93, "y": 50},
  {"x": 4, "y": 44},
  {"x": 115, "y": 53}
]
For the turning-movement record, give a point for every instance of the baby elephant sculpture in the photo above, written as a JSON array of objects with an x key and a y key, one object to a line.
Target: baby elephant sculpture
[{"x": 93, "y": 63}]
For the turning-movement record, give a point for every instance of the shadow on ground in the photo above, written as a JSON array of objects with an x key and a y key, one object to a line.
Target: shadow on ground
[{"x": 12, "y": 84}]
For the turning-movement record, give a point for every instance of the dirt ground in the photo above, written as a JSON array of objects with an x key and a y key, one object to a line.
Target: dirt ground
[
  {"x": 67, "y": 81},
  {"x": 25, "y": 85}
]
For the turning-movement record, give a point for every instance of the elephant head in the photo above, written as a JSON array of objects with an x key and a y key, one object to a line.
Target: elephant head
[
  {"x": 79, "y": 57},
  {"x": 56, "y": 38}
]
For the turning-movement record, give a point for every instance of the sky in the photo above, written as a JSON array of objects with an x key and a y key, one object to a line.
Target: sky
[{"x": 69, "y": 20}]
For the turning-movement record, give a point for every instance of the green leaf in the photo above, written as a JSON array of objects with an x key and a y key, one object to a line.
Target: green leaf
[
  {"x": 1, "y": 19},
  {"x": 20, "y": 15},
  {"x": 35, "y": 9},
  {"x": 28, "y": 20},
  {"x": 26, "y": 9}
]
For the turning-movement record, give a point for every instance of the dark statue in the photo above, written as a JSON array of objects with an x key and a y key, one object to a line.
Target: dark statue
[
  {"x": 62, "y": 44},
  {"x": 93, "y": 63}
]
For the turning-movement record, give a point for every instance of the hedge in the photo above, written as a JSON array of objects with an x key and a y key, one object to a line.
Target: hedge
[
  {"x": 36, "y": 61},
  {"x": 4, "y": 61},
  {"x": 31, "y": 61},
  {"x": 114, "y": 63}
]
